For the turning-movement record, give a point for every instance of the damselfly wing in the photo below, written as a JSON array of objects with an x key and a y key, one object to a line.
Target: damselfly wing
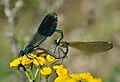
[
  {"x": 94, "y": 47},
  {"x": 46, "y": 29},
  {"x": 99, "y": 46}
]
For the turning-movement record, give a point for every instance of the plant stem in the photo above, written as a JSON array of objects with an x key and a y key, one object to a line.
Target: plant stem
[
  {"x": 39, "y": 78},
  {"x": 23, "y": 74},
  {"x": 28, "y": 76},
  {"x": 46, "y": 79},
  {"x": 31, "y": 74},
  {"x": 36, "y": 73}
]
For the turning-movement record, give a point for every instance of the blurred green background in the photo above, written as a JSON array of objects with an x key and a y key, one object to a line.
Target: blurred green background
[{"x": 80, "y": 20}]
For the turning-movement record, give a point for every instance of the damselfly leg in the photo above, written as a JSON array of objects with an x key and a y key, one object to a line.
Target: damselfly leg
[{"x": 58, "y": 51}]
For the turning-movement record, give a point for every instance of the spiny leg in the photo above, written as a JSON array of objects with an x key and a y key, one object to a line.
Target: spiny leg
[
  {"x": 47, "y": 51},
  {"x": 64, "y": 54},
  {"x": 55, "y": 49},
  {"x": 28, "y": 56},
  {"x": 60, "y": 49}
]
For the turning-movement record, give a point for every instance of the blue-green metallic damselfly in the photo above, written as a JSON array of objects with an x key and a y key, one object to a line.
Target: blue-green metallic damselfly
[{"x": 46, "y": 29}]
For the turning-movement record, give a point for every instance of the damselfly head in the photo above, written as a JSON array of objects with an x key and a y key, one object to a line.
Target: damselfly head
[{"x": 21, "y": 53}]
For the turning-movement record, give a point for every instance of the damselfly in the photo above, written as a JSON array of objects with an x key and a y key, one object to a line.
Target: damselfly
[
  {"x": 94, "y": 47},
  {"x": 46, "y": 29}
]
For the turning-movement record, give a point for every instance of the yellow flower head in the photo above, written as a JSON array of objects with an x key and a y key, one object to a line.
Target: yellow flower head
[
  {"x": 15, "y": 63},
  {"x": 22, "y": 60},
  {"x": 82, "y": 76},
  {"x": 65, "y": 78},
  {"x": 95, "y": 80},
  {"x": 32, "y": 56},
  {"x": 40, "y": 53},
  {"x": 39, "y": 61},
  {"x": 85, "y": 77},
  {"x": 55, "y": 67},
  {"x": 46, "y": 71},
  {"x": 62, "y": 71},
  {"x": 26, "y": 61},
  {"x": 51, "y": 59}
]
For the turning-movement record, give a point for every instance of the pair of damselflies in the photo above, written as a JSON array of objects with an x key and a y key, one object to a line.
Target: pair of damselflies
[{"x": 48, "y": 27}]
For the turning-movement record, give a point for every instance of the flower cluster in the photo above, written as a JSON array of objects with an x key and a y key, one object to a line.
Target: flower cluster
[
  {"x": 42, "y": 63},
  {"x": 63, "y": 75}
]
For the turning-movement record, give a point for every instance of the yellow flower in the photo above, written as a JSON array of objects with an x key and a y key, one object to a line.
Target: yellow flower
[
  {"x": 51, "y": 59},
  {"x": 39, "y": 61},
  {"x": 65, "y": 78},
  {"x": 15, "y": 63},
  {"x": 62, "y": 71},
  {"x": 85, "y": 77},
  {"x": 63, "y": 75},
  {"x": 95, "y": 80},
  {"x": 46, "y": 71},
  {"x": 32, "y": 56},
  {"x": 55, "y": 67},
  {"x": 82, "y": 76},
  {"x": 26, "y": 61},
  {"x": 40, "y": 53},
  {"x": 22, "y": 60}
]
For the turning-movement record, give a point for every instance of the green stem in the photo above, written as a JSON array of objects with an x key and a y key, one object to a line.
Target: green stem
[
  {"x": 39, "y": 78},
  {"x": 23, "y": 74},
  {"x": 31, "y": 74},
  {"x": 46, "y": 79},
  {"x": 37, "y": 71},
  {"x": 28, "y": 76}
]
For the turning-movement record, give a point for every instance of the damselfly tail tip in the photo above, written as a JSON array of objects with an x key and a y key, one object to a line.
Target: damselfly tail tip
[
  {"x": 111, "y": 45},
  {"x": 54, "y": 14}
]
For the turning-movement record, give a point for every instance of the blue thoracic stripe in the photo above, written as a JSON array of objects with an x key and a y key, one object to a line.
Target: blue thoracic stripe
[{"x": 48, "y": 25}]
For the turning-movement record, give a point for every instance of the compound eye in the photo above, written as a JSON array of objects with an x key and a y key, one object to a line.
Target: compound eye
[{"x": 21, "y": 52}]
